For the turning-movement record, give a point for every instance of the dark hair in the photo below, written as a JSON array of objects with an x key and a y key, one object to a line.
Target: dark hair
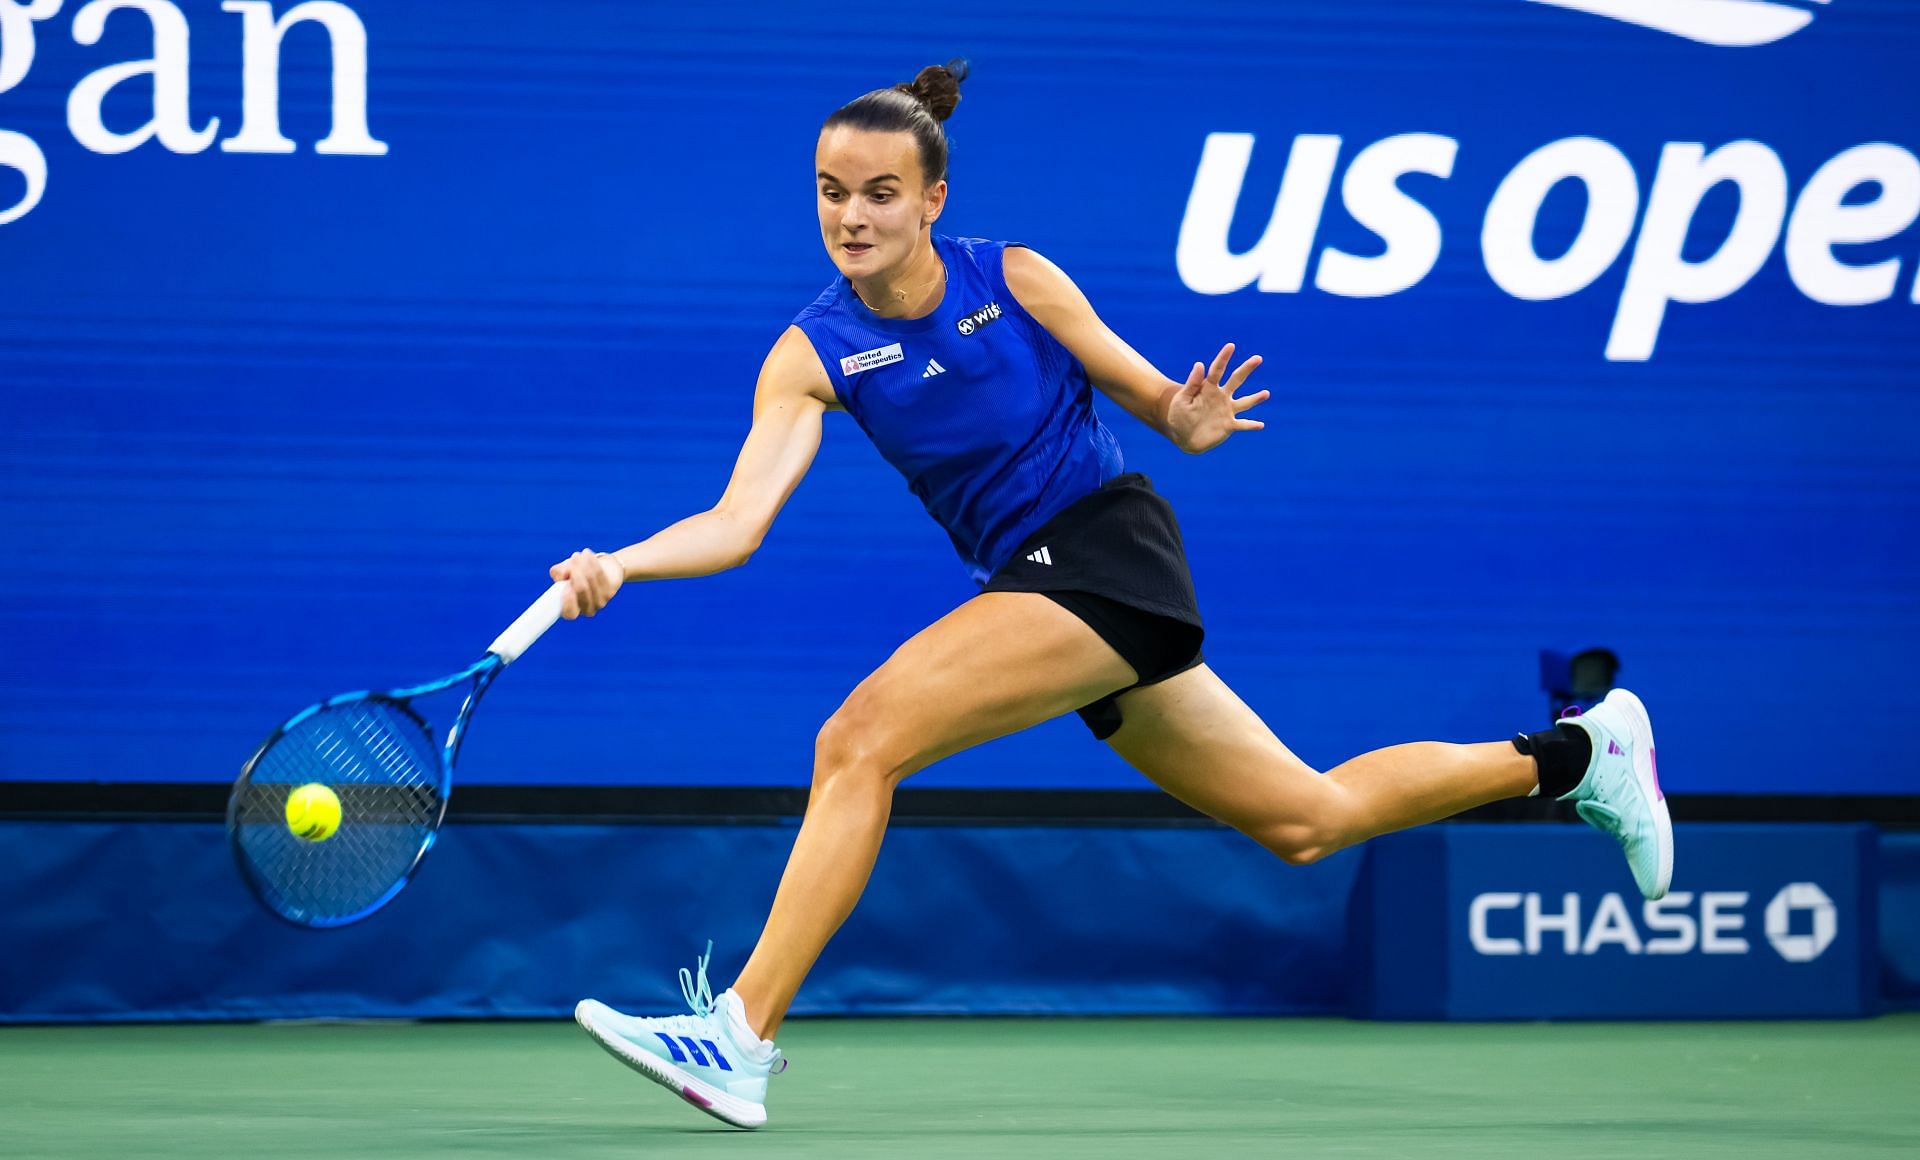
[{"x": 917, "y": 107}]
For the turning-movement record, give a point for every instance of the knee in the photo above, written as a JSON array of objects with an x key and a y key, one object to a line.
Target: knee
[
  {"x": 851, "y": 751},
  {"x": 1302, "y": 841},
  {"x": 1299, "y": 852}
]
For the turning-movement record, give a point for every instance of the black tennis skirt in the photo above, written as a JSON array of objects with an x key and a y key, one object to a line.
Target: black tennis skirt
[{"x": 1114, "y": 558}]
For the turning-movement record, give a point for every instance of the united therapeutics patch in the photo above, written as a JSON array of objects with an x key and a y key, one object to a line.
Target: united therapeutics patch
[
  {"x": 866, "y": 360},
  {"x": 979, "y": 318}
]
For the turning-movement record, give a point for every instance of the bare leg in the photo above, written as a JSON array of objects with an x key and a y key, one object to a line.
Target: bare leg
[
  {"x": 999, "y": 663},
  {"x": 1194, "y": 738}
]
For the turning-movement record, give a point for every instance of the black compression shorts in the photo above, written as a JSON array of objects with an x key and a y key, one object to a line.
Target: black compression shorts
[{"x": 1114, "y": 559}]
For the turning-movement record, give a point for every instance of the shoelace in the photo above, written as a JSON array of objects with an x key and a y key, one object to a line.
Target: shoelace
[
  {"x": 698, "y": 993},
  {"x": 694, "y": 988}
]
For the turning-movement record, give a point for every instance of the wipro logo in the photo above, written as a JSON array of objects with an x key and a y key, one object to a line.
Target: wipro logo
[
  {"x": 978, "y": 318},
  {"x": 1726, "y": 23}
]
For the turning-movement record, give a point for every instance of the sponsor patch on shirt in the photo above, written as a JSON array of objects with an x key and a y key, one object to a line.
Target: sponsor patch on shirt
[
  {"x": 866, "y": 360},
  {"x": 978, "y": 318}
]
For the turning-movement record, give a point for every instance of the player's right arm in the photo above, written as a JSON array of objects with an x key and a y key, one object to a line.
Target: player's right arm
[{"x": 788, "y": 402}]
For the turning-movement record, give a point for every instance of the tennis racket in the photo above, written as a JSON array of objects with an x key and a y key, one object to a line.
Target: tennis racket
[{"x": 374, "y": 753}]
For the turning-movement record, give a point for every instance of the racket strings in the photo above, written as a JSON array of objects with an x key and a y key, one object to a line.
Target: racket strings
[{"x": 380, "y": 761}]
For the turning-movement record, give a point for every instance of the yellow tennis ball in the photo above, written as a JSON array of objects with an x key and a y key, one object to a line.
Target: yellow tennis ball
[{"x": 313, "y": 812}]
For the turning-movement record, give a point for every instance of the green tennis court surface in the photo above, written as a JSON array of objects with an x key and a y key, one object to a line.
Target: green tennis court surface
[{"x": 981, "y": 1088}]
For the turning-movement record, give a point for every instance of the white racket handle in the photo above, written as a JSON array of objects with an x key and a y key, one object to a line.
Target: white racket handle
[{"x": 531, "y": 626}]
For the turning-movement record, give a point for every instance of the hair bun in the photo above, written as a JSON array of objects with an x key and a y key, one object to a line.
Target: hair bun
[{"x": 938, "y": 87}]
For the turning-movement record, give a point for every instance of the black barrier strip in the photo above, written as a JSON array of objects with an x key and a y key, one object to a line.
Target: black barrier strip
[
  {"x": 197, "y": 802},
  {"x": 203, "y": 802}
]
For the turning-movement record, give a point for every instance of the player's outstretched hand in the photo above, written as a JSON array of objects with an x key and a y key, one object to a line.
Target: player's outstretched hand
[
  {"x": 1204, "y": 411},
  {"x": 592, "y": 579}
]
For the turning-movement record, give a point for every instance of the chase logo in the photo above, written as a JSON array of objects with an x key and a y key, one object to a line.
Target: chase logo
[
  {"x": 978, "y": 318},
  {"x": 1823, "y": 922},
  {"x": 1801, "y": 922},
  {"x": 1726, "y": 23}
]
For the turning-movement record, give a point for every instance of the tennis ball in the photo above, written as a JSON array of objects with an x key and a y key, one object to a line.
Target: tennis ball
[{"x": 313, "y": 812}]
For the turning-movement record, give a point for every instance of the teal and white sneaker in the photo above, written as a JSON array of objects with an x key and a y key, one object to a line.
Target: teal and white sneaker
[
  {"x": 711, "y": 1058},
  {"x": 1620, "y": 794}
]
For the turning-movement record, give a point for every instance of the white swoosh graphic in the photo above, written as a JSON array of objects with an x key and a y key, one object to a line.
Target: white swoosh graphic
[{"x": 1727, "y": 23}]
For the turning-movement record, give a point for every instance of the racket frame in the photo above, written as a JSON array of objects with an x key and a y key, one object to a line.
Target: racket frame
[
  {"x": 528, "y": 627},
  {"x": 481, "y": 673}
]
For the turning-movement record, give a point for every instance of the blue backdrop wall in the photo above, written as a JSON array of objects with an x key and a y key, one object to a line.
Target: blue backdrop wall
[
  {"x": 526, "y": 920},
  {"x": 1581, "y": 332}
]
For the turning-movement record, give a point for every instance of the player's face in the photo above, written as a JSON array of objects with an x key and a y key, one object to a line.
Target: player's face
[{"x": 875, "y": 207}]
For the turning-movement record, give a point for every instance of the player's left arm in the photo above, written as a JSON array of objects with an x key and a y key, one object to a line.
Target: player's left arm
[{"x": 1196, "y": 415}]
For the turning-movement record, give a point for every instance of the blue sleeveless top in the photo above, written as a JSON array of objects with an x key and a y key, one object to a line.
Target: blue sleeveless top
[{"x": 986, "y": 414}]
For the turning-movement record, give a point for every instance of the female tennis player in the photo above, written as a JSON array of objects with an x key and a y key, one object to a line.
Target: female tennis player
[{"x": 970, "y": 364}]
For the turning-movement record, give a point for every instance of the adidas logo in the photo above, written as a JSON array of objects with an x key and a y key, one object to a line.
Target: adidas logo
[
  {"x": 933, "y": 368},
  {"x": 1614, "y": 748},
  {"x": 1726, "y": 23},
  {"x": 693, "y": 1047},
  {"x": 1041, "y": 557}
]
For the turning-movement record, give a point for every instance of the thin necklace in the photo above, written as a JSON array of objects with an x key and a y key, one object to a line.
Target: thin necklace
[{"x": 869, "y": 305}]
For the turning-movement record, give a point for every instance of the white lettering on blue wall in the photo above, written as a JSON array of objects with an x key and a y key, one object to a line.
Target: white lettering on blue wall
[
  {"x": 168, "y": 75},
  {"x": 1658, "y": 275}
]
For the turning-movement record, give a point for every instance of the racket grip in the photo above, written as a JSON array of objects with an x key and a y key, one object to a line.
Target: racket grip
[{"x": 531, "y": 625}]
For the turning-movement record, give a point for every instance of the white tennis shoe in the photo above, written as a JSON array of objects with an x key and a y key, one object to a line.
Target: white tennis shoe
[
  {"x": 1620, "y": 794},
  {"x": 710, "y": 1058}
]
